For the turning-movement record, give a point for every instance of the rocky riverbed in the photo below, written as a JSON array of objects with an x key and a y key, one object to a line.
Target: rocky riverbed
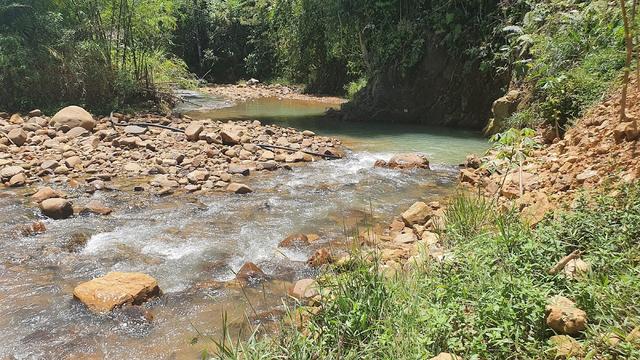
[
  {"x": 173, "y": 153},
  {"x": 253, "y": 90}
]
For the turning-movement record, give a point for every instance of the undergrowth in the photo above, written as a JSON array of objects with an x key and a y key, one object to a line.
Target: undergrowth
[{"x": 488, "y": 300}]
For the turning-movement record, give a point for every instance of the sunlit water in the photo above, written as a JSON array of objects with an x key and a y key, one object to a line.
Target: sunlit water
[{"x": 186, "y": 240}]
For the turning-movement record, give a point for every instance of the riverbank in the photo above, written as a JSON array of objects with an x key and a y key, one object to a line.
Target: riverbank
[
  {"x": 513, "y": 266},
  {"x": 243, "y": 92},
  {"x": 167, "y": 153}
]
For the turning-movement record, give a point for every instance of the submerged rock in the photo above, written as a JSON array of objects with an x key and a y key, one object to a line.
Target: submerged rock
[
  {"x": 294, "y": 240},
  {"x": 250, "y": 274},
  {"x": 105, "y": 293}
]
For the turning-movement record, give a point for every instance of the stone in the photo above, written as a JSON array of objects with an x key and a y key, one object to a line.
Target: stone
[
  {"x": 576, "y": 269},
  {"x": 408, "y": 161},
  {"x": 239, "y": 188},
  {"x": 16, "y": 119},
  {"x": 34, "y": 113},
  {"x": 43, "y": 194},
  {"x": 405, "y": 238},
  {"x": 18, "y": 136},
  {"x": 77, "y": 132},
  {"x": 95, "y": 207},
  {"x": 237, "y": 169},
  {"x": 267, "y": 155},
  {"x": 56, "y": 208},
  {"x": 8, "y": 172},
  {"x": 585, "y": 175},
  {"x": 250, "y": 274},
  {"x": 73, "y": 161},
  {"x": 197, "y": 176},
  {"x": 17, "y": 180},
  {"x": 320, "y": 257},
  {"x": 294, "y": 240},
  {"x": 115, "y": 289},
  {"x": 298, "y": 156},
  {"x": 626, "y": 131},
  {"x": 229, "y": 138},
  {"x": 564, "y": 317},
  {"x": 132, "y": 167},
  {"x": 472, "y": 162},
  {"x": 73, "y": 116},
  {"x": 308, "y": 133},
  {"x": 304, "y": 289},
  {"x": 418, "y": 213},
  {"x": 135, "y": 130},
  {"x": 566, "y": 347},
  {"x": 193, "y": 131}
]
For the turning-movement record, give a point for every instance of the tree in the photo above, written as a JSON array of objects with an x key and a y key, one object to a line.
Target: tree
[{"x": 629, "y": 48}]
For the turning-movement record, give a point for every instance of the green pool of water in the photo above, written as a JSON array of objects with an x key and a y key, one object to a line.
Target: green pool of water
[{"x": 447, "y": 146}]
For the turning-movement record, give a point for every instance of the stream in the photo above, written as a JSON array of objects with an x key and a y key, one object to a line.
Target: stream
[{"x": 186, "y": 241}]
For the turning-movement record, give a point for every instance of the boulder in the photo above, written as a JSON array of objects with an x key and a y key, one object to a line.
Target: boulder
[
  {"x": 73, "y": 116},
  {"x": 308, "y": 133},
  {"x": 17, "y": 180},
  {"x": 626, "y": 131},
  {"x": 576, "y": 269},
  {"x": 95, "y": 207},
  {"x": 16, "y": 119},
  {"x": 76, "y": 132},
  {"x": 298, "y": 156},
  {"x": 115, "y": 289},
  {"x": 43, "y": 194},
  {"x": 418, "y": 213},
  {"x": 135, "y": 130},
  {"x": 237, "y": 169},
  {"x": 566, "y": 347},
  {"x": 8, "y": 172},
  {"x": 239, "y": 188},
  {"x": 406, "y": 161},
  {"x": 229, "y": 138},
  {"x": 294, "y": 240},
  {"x": 17, "y": 136},
  {"x": 320, "y": 257},
  {"x": 57, "y": 208},
  {"x": 564, "y": 317},
  {"x": 250, "y": 274},
  {"x": 304, "y": 289},
  {"x": 193, "y": 131}
]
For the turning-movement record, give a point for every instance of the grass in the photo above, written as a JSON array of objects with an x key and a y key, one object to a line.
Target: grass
[{"x": 488, "y": 301}]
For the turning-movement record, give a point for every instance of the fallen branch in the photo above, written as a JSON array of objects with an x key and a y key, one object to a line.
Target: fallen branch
[
  {"x": 7, "y": 136},
  {"x": 563, "y": 262},
  {"x": 114, "y": 124},
  {"x": 330, "y": 156}
]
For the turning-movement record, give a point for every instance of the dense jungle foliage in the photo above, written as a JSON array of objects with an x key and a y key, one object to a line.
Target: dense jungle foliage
[{"x": 106, "y": 53}]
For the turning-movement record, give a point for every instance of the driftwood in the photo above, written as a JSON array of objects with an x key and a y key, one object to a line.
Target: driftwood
[
  {"x": 563, "y": 262},
  {"x": 7, "y": 136},
  {"x": 114, "y": 124},
  {"x": 330, "y": 156}
]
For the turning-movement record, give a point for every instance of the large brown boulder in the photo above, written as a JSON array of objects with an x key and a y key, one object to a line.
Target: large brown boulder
[
  {"x": 57, "y": 208},
  {"x": 418, "y": 213},
  {"x": 44, "y": 193},
  {"x": 105, "y": 293},
  {"x": 17, "y": 136},
  {"x": 405, "y": 162},
  {"x": 564, "y": 317},
  {"x": 71, "y": 117}
]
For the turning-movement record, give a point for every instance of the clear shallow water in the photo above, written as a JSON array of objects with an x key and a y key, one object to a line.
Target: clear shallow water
[{"x": 185, "y": 241}]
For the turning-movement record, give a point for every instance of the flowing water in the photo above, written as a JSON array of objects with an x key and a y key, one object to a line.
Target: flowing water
[{"x": 186, "y": 241}]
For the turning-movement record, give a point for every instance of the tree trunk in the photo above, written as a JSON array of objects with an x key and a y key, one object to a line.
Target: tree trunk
[{"x": 629, "y": 47}]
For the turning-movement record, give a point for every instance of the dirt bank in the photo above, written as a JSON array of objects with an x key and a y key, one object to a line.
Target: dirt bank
[{"x": 242, "y": 92}]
